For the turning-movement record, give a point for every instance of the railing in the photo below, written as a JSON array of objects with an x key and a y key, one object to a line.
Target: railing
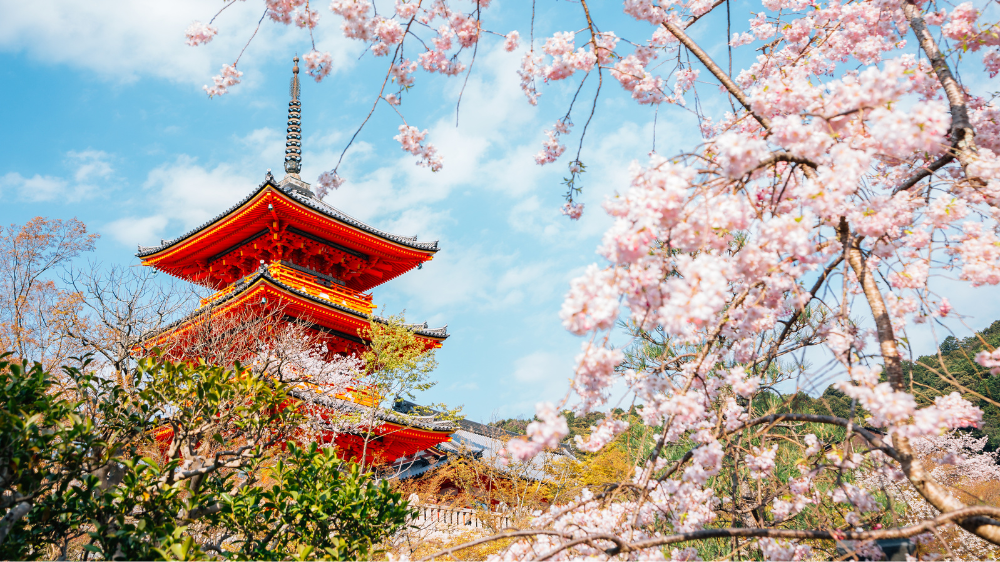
[
  {"x": 333, "y": 293},
  {"x": 439, "y": 516},
  {"x": 308, "y": 284}
]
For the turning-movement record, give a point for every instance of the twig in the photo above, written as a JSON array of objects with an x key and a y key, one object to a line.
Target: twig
[{"x": 251, "y": 37}]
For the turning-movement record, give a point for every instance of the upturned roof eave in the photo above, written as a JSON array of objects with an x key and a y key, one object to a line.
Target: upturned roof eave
[
  {"x": 264, "y": 275},
  {"x": 315, "y": 204}
]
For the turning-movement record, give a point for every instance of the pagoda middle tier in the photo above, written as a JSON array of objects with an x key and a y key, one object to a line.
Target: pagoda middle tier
[{"x": 285, "y": 222}]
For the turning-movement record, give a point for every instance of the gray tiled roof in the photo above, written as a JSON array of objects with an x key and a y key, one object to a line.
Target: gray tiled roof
[
  {"x": 306, "y": 198},
  {"x": 422, "y": 422}
]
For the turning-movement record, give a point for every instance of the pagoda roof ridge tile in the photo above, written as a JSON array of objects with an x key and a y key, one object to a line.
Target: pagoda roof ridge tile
[
  {"x": 320, "y": 205},
  {"x": 311, "y": 201}
]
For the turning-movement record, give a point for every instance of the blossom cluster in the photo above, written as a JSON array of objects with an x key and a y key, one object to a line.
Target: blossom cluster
[
  {"x": 200, "y": 33},
  {"x": 226, "y": 79},
  {"x": 546, "y": 433},
  {"x": 412, "y": 141}
]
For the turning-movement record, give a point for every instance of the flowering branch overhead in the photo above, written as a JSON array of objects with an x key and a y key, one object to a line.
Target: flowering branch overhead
[{"x": 847, "y": 176}]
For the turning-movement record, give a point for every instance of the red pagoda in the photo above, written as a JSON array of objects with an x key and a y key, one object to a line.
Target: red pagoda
[{"x": 282, "y": 246}]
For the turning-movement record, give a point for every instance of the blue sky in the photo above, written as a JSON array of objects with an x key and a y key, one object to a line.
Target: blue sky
[{"x": 106, "y": 121}]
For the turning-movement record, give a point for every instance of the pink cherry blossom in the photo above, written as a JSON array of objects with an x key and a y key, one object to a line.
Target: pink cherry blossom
[
  {"x": 283, "y": 11},
  {"x": 551, "y": 149},
  {"x": 737, "y": 154},
  {"x": 601, "y": 435},
  {"x": 199, "y": 33},
  {"x": 401, "y": 73},
  {"x": 328, "y": 181},
  {"x": 742, "y": 384},
  {"x": 306, "y": 18},
  {"x": 592, "y": 302},
  {"x": 511, "y": 41},
  {"x": 412, "y": 140},
  {"x": 356, "y": 24},
  {"x": 546, "y": 433},
  {"x": 761, "y": 462},
  {"x": 594, "y": 373},
  {"x": 318, "y": 64},
  {"x": 228, "y": 78},
  {"x": 406, "y": 10},
  {"x": 573, "y": 210},
  {"x": 389, "y": 31}
]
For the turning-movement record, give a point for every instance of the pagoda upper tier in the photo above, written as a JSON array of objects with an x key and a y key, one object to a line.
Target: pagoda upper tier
[{"x": 286, "y": 222}]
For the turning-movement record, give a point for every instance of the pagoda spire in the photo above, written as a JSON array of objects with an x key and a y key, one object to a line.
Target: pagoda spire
[{"x": 293, "y": 142}]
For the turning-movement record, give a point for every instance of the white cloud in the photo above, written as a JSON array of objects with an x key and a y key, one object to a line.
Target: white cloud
[
  {"x": 89, "y": 166},
  {"x": 189, "y": 194},
  {"x": 122, "y": 41},
  {"x": 544, "y": 372},
  {"x": 35, "y": 188},
  {"x": 137, "y": 230}
]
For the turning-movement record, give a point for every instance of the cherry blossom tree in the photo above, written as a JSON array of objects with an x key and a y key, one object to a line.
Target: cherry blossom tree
[{"x": 855, "y": 164}]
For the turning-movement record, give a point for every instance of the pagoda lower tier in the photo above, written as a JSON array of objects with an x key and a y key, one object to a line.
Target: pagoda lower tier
[
  {"x": 388, "y": 439},
  {"x": 337, "y": 316},
  {"x": 392, "y": 437}
]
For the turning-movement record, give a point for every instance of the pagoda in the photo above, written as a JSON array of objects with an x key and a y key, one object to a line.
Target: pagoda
[{"x": 282, "y": 247}]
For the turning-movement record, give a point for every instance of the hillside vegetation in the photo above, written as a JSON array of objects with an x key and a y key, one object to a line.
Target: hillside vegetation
[{"x": 953, "y": 370}]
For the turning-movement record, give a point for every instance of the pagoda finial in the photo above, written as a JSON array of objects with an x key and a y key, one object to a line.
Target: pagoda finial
[{"x": 293, "y": 144}]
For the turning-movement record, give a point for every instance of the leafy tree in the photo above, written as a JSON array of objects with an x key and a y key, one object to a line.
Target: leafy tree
[
  {"x": 396, "y": 364},
  {"x": 34, "y": 311},
  {"x": 199, "y": 461}
]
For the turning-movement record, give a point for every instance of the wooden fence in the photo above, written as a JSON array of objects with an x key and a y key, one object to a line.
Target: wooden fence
[{"x": 440, "y": 516}]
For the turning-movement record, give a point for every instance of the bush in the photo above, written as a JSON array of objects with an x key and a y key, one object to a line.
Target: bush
[{"x": 196, "y": 462}]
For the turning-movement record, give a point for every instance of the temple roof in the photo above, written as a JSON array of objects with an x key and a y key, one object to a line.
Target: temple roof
[
  {"x": 263, "y": 275},
  {"x": 302, "y": 196},
  {"x": 280, "y": 221},
  {"x": 429, "y": 423}
]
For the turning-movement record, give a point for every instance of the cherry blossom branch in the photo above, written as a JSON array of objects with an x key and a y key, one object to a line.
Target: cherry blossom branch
[
  {"x": 475, "y": 49},
  {"x": 925, "y": 484},
  {"x": 776, "y": 157},
  {"x": 492, "y": 538},
  {"x": 251, "y": 37},
  {"x": 220, "y": 11},
  {"x": 962, "y": 133},
  {"x": 924, "y": 172},
  {"x": 388, "y": 74},
  {"x": 872, "y": 438},
  {"x": 690, "y": 21},
  {"x": 623, "y": 547},
  {"x": 717, "y": 72},
  {"x": 776, "y": 345},
  {"x": 898, "y": 533}
]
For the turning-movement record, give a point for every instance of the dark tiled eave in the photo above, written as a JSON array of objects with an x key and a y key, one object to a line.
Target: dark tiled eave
[
  {"x": 428, "y": 423},
  {"x": 306, "y": 199}
]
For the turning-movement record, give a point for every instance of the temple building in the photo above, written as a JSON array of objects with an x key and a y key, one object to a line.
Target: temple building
[{"x": 283, "y": 248}]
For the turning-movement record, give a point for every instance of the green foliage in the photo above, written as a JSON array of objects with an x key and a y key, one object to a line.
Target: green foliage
[
  {"x": 318, "y": 508},
  {"x": 956, "y": 371},
  {"x": 930, "y": 376},
  {"x": 196, "y": 461},
  {"x": 43, "y": 441}
]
